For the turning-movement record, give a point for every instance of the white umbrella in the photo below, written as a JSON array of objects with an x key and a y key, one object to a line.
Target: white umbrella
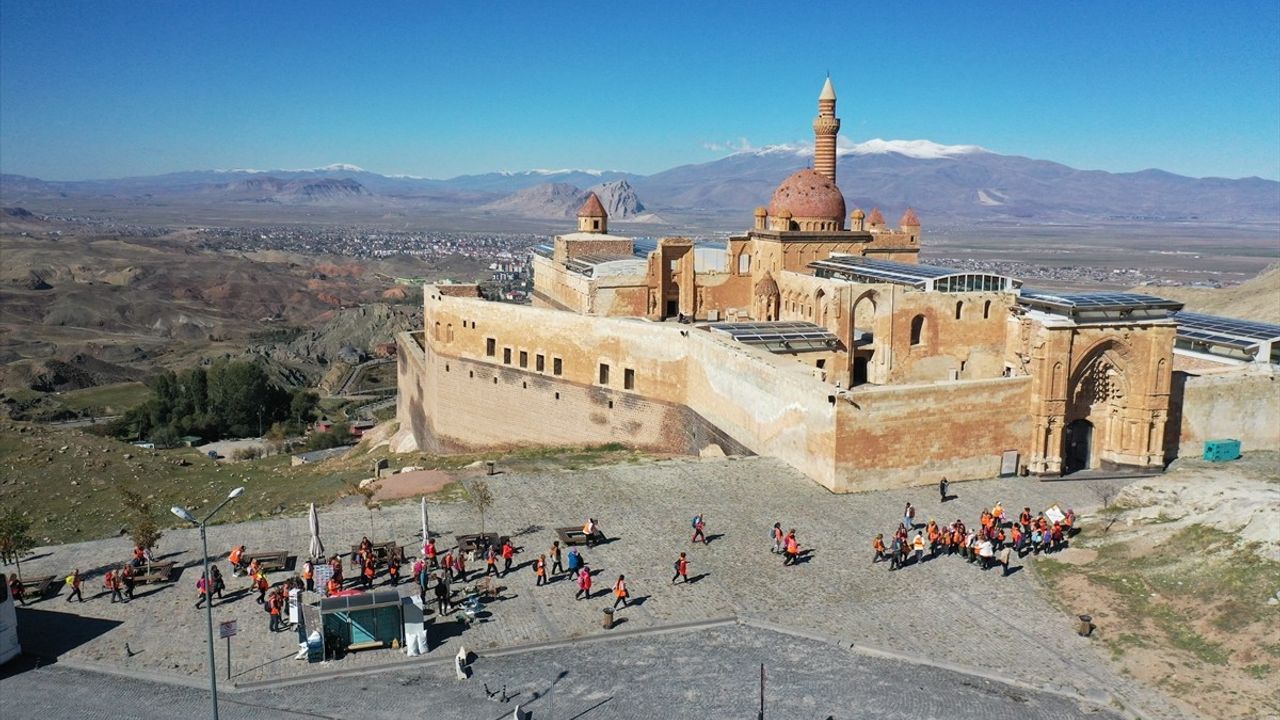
[
  {"x": 425, "y": 536},
  {"x": 317, "y": 547}
]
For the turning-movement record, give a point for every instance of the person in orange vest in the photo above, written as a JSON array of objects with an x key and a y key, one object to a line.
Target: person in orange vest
[
  {"x": 393, "y": 569},
  {"x": 74, "y": 581},
  {"x": 130, "y": 582},
  {"x": 878, "y": 546},
  {"x": 934, "y": 536},
  {"x": 333, "y": 587},
  {"x": 139, "y": 556},
  {"x": 681, "y": 566},
  {"x": 957, "y": 539},
  {"x": 540, "y": 569},
  {"x": 237, "y": 560},
  {"x": 793, "y": 548},
  {"x": 490, "y": 562},
  {"x": 368, "y": 573},
  {"x": 1024, "y": 520},
  {"x": 508, "y": 552},
  {"x": 620, "y": 593},
  {"x": 308, "y": 576},
  {"x": 254, "y": 568},
  {"x": 273, "y": 607},
  {"x": 584, "y": 584},
  {"x": 446, "y": 564},
  {"x": 430, "y": 552}
]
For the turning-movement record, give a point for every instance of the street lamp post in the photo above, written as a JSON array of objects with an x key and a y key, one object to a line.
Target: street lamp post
[{"x": 208, "y": 596}]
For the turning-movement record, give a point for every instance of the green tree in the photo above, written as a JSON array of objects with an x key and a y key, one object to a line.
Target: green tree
[
  {"x": 302, "y": 405},
  {"x": 15, "y": 538},
  {"x": 142, "y": 524}
]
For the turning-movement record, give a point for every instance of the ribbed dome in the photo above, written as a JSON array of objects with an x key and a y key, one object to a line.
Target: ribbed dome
[
  {"x": 767, "y": 287},
  {"x": 909, "y": 218},
  {"x": 807, "y": 194}
]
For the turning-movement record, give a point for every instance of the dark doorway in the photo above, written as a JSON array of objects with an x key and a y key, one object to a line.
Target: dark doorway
[
  {"x": 1079, "y": 446},
  {"x": 859, "y": 370},
  {"x": 673, "y": 307}
]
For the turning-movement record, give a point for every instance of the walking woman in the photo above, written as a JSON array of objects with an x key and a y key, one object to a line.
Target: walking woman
[{"x": 620, "y": 592}]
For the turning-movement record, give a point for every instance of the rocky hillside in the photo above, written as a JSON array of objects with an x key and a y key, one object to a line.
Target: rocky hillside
[
  {"x": 1255, "y": 299},
  {"x": 554, "y": 201}
]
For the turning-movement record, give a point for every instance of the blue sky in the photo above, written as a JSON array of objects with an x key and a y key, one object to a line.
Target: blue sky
[{"x": 106, "y": 89}]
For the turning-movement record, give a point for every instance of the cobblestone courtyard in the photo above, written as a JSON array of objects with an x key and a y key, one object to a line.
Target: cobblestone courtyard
[{"x": 944, "y": 613}]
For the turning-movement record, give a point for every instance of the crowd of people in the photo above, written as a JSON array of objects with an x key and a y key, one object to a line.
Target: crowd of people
[{"x": 993, "y": 540}]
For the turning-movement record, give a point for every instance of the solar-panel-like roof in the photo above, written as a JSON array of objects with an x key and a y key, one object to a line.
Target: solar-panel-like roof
[
  {"x": 1229, "y": 332},
  {"x": 856, "y": 268},
  {"x": 1099, "y": 301},
  {"x": 780, "y": 337}
]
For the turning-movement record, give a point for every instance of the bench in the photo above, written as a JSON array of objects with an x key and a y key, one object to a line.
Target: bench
[
  {"x": 155, "y": 573},
  {"x": 381, "y": 552},
  {"x": 268, "y": 560},
  {"x": 37, "y": 588},
  {"x": 575, "y": 536},
  {"x": 472, "y": 541},
  {"x": 370, "y": 645}
]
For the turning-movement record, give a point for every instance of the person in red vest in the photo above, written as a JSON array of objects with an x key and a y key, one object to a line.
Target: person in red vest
[
  {"x": 333, "y": 587},
  {"x": 620, "y": 593},
  {"x": 18, "y": 592},
  {"x": 584, "y": 584},
  {"x": 368, "y": 573},
  {"x": 508, "y": 552},
  {"x": 681, "y": 566},
  {"x": 430, "y": 552}
]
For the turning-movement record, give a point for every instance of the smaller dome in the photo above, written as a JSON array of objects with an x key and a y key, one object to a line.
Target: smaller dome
[
  {"x": 909, "y": 218},
  {"x": 767, "y": 287},
  {"x": 761, "y": 212},
  {"x": 858, "y": 214},
  {"x": 785, "y": 214},
  {"x": 592, "y": 207},
  {"x": 875, "y": 218}
]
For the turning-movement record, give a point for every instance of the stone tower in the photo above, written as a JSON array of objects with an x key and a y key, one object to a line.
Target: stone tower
[
  {"x": 591, "y": 216},
  {"x": 825, "y": 128}
]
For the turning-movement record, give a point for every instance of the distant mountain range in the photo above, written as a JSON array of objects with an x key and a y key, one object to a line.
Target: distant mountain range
[{"x": 944, "y": 183}]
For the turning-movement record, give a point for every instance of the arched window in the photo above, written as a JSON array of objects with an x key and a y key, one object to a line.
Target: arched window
[
  {"x": 986, "y": 310},
  {"x": 959, "y": 309},
  {"x": 917, "y": 330},
  {"x": 744, "y": 263}
]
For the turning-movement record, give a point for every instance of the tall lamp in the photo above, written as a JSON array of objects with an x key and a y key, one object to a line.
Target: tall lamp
[{"x": 208, "y": 605}]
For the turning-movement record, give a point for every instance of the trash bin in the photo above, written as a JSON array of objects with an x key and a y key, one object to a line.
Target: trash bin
[
  {"x": 1086, "y": 626},
  {"x": 608, "y": 618}
]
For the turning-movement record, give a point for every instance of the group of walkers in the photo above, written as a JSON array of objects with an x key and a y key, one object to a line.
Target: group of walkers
[{"x": 993, "y": 540}]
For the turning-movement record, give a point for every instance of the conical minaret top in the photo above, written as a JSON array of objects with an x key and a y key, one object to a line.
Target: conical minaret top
[{"x": 825, "y": 128}]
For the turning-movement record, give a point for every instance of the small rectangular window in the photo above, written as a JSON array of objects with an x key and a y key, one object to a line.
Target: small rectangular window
[
  {"x": 524, "y": 359},
  {"x": 540, "y": 363},
  {"x": 629, "y": 379},
  {"x": 490, "y": 347},
  {"x": 604, "y": 373},
  {"x": 506, "y": 356},
  {"x": 557, "y": 366}
]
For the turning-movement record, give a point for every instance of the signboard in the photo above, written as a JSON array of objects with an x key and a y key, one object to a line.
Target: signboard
[
  {"x": 1009, "y": 463},
  {"x": 320, "y": 577},
  {"x": 226, "y": 628},
  {"x": 1055, "y": 514}
]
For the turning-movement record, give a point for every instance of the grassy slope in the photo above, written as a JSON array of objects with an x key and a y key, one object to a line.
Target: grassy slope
[
  {"x": 1188, "y": 614},
  {"x": 68, "y": 481}
]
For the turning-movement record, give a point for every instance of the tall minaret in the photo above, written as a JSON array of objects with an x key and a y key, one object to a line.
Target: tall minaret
[{"x": 825, "y": 127}]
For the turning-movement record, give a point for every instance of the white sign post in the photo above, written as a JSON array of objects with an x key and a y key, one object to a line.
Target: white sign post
[{"x": 226, "y": 629}]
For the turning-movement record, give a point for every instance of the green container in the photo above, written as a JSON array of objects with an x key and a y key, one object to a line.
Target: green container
[{"x": 1221, "y": 450}]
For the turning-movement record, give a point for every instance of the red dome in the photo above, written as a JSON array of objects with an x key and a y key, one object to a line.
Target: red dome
[{"x": 807, "y": 194}]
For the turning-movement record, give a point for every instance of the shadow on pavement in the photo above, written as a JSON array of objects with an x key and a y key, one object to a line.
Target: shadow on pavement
[{"x": 48, "y": 634}]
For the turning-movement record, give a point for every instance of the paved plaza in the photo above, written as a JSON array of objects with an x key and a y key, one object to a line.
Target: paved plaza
[
  {"x": 941, "y": 614},
  {"x": 704, "y": 675}
]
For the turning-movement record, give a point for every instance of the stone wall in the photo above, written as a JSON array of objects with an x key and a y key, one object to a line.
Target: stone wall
[
  {"x": 913, "y": 435},
  {"x": 1238, "y": 403}
]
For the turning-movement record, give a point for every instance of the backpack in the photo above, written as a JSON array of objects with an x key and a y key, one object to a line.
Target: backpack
[
  {"x": 71, "y": 579},
  {"x": 676, "y": 566},
  {"x": 694, "y": 522}
]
